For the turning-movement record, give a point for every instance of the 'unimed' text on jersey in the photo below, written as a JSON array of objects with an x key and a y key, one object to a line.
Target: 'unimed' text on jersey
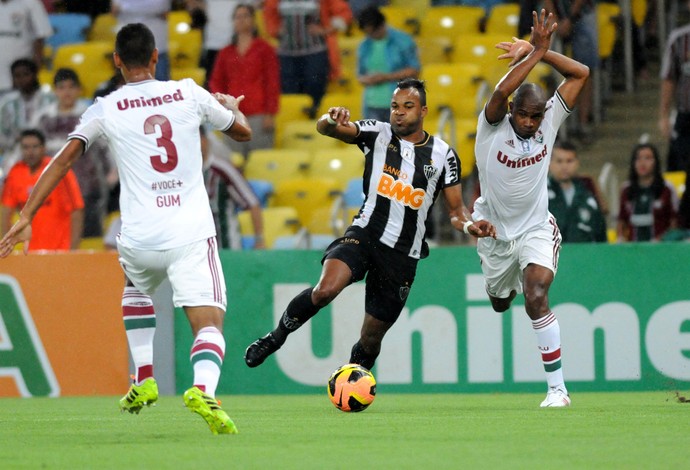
[
  {"x": 401, "y": 182},
  {"x": 513, "y": 172},
  {"x": 152, "y": 129}
]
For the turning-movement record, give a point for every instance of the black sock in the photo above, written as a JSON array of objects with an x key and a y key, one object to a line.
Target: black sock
[
  {"x": 361, "y": 357},
  {"x": 298, "y": 312}
]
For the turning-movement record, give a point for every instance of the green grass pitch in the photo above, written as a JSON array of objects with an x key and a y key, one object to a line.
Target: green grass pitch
[{"x": 399, "y": 431}]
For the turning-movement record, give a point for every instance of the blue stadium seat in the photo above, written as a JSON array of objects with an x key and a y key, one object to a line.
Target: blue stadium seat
[{"x": 68, "y": 28}]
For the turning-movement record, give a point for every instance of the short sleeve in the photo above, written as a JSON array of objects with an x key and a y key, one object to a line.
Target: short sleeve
[
  {"x": 91, "y": 125},
  {"x": 210, "y": 110}
]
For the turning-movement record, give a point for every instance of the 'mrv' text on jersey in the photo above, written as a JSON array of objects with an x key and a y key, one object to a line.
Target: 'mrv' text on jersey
[{"x": 155, "y": 101}]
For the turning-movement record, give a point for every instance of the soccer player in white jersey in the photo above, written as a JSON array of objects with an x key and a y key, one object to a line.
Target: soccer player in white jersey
[
  {"x": 405, "y": 169},
  {"x": 513, "y": 150},
  {"x": 152, "y": 129}
]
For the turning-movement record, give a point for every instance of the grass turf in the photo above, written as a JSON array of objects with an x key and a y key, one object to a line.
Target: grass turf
[{"x": 399, "y": 431}]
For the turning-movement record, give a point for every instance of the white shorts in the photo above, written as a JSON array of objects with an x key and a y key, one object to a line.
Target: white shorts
[
  {"x": 194, "y": 272},
  {"x": 503, "y": 262}
]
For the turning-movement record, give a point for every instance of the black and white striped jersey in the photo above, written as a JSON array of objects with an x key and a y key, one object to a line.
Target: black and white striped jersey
[{"x": 401, "y": 182}]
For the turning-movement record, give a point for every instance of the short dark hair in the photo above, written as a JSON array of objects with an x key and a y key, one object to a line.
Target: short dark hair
[
  {"x": 64, "y": 74},
  {"x": 416, "y": 84},
  {"x": 371, "y": 16},
  {"x": 33, "y": 133},
  {"x": 135, "y": 44},
  {"x": 25, "y": 62},
  {"x": 565, "y": 145}
]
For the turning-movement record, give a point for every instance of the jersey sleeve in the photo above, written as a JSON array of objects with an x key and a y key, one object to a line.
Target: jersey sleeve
[
  {"x": 451, "y": 169},
  {"x": 91, "y": 125},
  {"x": 210, "y": 110},
  {"x": 368, "y": 131},
  {"x": 560, "y": 111}
]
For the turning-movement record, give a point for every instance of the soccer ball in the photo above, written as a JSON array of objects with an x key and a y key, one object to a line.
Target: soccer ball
[{"x": 352, "y": 388}]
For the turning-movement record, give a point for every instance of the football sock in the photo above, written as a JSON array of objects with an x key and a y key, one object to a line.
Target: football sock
[
  {"x": 208, "y": 352},
  {"x": 140, "y": 326},
  {"x": 298, "y": 312},
  {"x": 361, "y": 357},
  {"x": 549, "y": 342}
]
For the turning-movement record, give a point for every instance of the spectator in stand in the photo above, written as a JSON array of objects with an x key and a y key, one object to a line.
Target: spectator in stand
[
  {"x": 384, "y": 57},
  {"x": 24, "y": 27},
  {"x": 675, "y": 93},
  {"x": 228, "y": 192},
  {"x": 571, "y": 201},
  {"x": 308, "y": 49},
  {"x": 18, "y": 107},
  {"x": 95, "y": 172},
  {"x": 648, "y": 203},
  {"x": 577, "y": 27},
  {"x": 58, "y": 223},
  {"x": 154, "y": 14},
  {"x": 249, "y": 67}
]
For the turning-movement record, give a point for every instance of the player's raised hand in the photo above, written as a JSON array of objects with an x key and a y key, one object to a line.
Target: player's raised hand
[
  {"x": 229, "y": 101},
  {"x": 19, "y": 233},
  {"x": 515, "y": 50},
  {"x": 340, "y": 115},
  {"x": 543, "y": 27}
]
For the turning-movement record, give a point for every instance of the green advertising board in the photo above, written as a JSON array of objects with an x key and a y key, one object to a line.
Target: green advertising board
[{"x": 624, "y": 312}]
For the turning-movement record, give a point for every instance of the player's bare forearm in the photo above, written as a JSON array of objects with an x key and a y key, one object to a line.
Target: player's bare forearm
[
  {"x": 460, "y": 217},
  {"x": 77, "y": 228},
  {"x": 336, "y": 123}
]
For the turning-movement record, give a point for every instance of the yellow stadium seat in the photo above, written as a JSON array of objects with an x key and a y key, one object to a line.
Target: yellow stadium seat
[
  {"x": 92, "y": 61},
  {"x": 348, "y": 100},
  {"x": 434, "y": 50},
  {"x": 677, "y": 179},
  {"x": 347, "y": 45},
  {"x": 443, "y": 81},
  {"x": 403, "y": 18},
  {"x": 303, "y": 135},
  {"x": 103, "y": 28},
  {"x": 276, "y": 165},
  {"x": 92, "y": 243},
  {"x": 197, "y": 74},
  {"x": 639, "y": 11},
  {"x": 481, "y": 49},
  {"x": 277, "y": 222},
  {"x": 313, "y": 198},
  {"x": 503, "y": 20},
  {"x": 460, "y": 134},
  {"x": 291, "y": 107},
  {"x": 341, "y": 164},
  {"x": 184, "y": 49},
  {"x": 607, "y": 19},
  {"x": 451, "y": 20}
]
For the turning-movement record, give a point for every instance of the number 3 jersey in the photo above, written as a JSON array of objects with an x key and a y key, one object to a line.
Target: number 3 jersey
[
  {"x": 401, "y": 182},
  {"x": 152, "y": 130}
]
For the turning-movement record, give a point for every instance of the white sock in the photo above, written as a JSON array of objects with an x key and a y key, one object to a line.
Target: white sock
[
  {"x": 549, "y": 341},
  {"x": 208, "y": 352},
  {"x": 140, "y": 325}
]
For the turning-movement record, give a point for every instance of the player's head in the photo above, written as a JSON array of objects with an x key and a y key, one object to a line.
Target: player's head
[
  {"x": 24, "y": 75},
  {"x": 135, "y": 46},
  {"x": 372, "y": 22},
  {"x": 32, "y": 144},
  {"x": 408, "y": 107},
  {"x": 67, "y": 87},
  {"x": 564, "y": 161},
  {"x": 527, "y": 109}
]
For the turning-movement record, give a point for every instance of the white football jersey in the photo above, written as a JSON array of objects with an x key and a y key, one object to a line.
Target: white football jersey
[
  {"x": 152, "y": 129},
  {"x": 513, "y": 172}
]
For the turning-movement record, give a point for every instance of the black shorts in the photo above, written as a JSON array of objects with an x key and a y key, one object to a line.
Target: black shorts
[{"x": 390, "y": 272}]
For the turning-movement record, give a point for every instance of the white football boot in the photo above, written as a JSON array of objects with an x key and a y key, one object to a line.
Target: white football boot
[{"x": 556, "y": 397}]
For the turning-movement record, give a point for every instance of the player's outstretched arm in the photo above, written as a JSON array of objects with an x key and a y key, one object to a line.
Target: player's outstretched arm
[
  {"x": 240, "y": 130},
  {"x": 543, "y": 28},
  {"x": 336, "y": 123},
  {"x": 49, "y": 179},
  {"x": 460, "y": 217}
]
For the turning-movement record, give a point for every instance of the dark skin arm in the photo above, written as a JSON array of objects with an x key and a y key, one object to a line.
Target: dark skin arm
[{"x": 459, "y": 214}]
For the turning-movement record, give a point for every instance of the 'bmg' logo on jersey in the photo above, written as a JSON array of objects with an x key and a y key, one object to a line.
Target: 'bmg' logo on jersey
[{"x": 397, "y": 190}]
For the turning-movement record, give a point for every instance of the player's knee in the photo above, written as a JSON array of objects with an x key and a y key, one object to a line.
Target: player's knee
[{"x": 323, "y": 295}]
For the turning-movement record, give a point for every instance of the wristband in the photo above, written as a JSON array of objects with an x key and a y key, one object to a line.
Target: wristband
[
  {"x": 466, "y": 226},
  {"x": 329, "y": 119}
]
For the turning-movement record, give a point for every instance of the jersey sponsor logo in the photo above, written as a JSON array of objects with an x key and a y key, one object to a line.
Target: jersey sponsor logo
[
  {"x": 522, "y": 162},
  {"x": 452, "y": 167},
  {"x": 400, "y": 191},
  {"x": 369, "y": 122},
  {"x": 394, "y": 171},
  {"x": 142, "y": 102}
]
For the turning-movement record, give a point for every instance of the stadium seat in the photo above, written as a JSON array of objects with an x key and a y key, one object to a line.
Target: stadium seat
[
  {"x": 262, "y": 189},
  {"x": 481, "y": 49},
  {"x": 291, "y": 107},
  {"x": 443, "y": 82},
  {"x": 677, "y": 179},
  {"x": 277, "y": 222},
  {"x": 461, "y": 135},
  {"x": 184, "y": 48},
  {"x": 92, "y": 61},
  {"x": 347, "y": 45},
  {"x": 303, "y": 135},
  {"x": 639, "y": 11},
  {"x": 68, "y": 28},
  {"x": 92, "y": 243},
  {"x": 350, "y": 101},
  {"x": 103, "y": 28},
  {"x": 403, "y": 18},
  {"x": 607, "y": 20},
  {"x": 450, "y": 21},
  {"x": 313, "y": 199},
  {"x": 276, "y": 165},
  {"x": 197, "y": 74},
  {"x": 503, "y": 20},
  {"x": 341, "y": 164},
  {"x": 434, "y": 50}
]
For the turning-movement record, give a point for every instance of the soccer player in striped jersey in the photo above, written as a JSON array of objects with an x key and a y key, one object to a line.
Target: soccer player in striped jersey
[
  {"x": 405, "y": 169},
  {"x": 513, "y": 150},
  {"x": 152, "y": 130}
]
